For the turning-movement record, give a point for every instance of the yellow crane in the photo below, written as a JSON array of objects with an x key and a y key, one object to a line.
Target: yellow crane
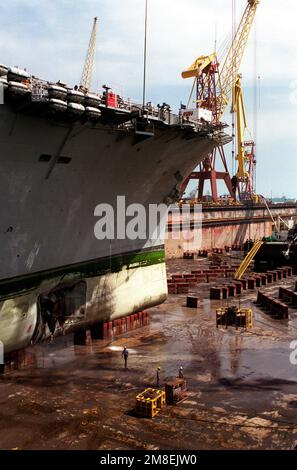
[
  {"x": 248, "y": 259},
  {"x": 232, "y": 62},
  {"x": 214, "y": 87},
  {"x": 244, "y": 178},
  {"x": 239, "y": 109},
  {"x": 234, "y": 56},
  {"x": 199, "y": 65}
]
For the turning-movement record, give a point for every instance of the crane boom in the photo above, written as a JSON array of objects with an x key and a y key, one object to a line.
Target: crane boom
[
  {"x": 248, "y": 259},
  {"x": 86, "y": 78},
  {"x": 244, "y": 178},
  {"x": 200, "y": 64},
  {"x": 234, "y": 56},
  {"x": 238, "y": 107}
]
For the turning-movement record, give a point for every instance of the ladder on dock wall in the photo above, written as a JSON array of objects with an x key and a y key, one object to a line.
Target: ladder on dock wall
[{"x": 248, "y": 259}]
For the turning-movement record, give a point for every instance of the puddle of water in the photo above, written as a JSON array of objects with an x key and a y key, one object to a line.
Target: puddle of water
[{"x": 120, "y": 348}]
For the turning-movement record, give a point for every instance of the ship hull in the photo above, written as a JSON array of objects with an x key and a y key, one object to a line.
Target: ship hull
[{"x": 53, "y": 175}]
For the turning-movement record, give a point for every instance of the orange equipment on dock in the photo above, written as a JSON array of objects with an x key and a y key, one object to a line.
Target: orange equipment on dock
[{"x": 176, "y": 390}]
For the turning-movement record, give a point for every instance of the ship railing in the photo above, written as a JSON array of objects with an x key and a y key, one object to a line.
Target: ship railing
[{"x": 161, "y": 112}]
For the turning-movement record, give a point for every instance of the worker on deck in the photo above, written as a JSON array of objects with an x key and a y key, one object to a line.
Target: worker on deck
[
  {"x": 180, "y": 373},
  {"x": 125, "y": 355},
  {"x": 158, "y": 377}
]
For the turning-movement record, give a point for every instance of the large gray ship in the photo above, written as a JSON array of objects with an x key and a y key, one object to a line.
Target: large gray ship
[{"x": 63, "y": 151}]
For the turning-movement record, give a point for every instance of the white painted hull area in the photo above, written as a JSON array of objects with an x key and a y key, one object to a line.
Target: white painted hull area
[{"x": 107, "y": 297}]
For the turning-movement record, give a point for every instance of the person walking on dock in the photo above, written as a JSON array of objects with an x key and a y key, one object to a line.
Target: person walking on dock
[
  {"x": 158, "y": 377},
  {"x": 180, "y": 373},
  {"x": 125, "y": 355}
]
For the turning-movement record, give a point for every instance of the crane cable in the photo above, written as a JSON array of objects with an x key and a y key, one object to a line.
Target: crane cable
[
  {"x": 233, "y": 78},
  {"x": 191, "y": 94},
  {"x": 255, "y": 137}
]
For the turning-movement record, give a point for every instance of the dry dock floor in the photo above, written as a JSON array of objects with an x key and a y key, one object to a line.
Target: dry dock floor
[{"x": 243, "y": 388}]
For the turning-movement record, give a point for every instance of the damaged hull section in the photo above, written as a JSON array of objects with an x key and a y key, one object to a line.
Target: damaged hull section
[{"x": 69, "y": 302}]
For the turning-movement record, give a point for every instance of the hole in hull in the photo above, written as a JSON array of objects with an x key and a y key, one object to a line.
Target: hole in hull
[{"x": 63, "y": 304}]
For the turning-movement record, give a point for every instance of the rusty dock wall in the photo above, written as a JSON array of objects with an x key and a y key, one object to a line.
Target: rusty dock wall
[{"x": 224, "y": 226}]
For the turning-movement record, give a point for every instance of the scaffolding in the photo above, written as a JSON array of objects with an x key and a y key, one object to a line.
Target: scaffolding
[{"x": 150, "y": 402}]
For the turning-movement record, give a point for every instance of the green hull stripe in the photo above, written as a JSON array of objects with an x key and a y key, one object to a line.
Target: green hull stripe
[{"x": 16, "y": 286}]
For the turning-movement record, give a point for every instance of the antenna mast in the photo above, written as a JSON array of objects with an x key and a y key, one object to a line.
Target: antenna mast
[{"x": 86, "y": 79}]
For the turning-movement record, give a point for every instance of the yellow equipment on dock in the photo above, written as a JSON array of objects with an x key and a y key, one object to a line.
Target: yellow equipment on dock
[
  {"x": 248, "y": 259},
  {"x": 233, "y": 316},
  {"x": 150, "y": 402},
  {"x": 239, "y": 317}
]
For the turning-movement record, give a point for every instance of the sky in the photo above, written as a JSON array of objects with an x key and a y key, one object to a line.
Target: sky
[{"x": 50, "y": 37}]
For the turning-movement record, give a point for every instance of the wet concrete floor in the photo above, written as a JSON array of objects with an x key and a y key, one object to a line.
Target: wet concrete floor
[{"x": 242, "y": 386}]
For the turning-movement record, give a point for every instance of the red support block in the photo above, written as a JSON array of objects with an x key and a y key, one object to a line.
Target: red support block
[
  {"x": 229, "y": 272},
  {"x": 238, "y": 287},
  {"x": 285, "y": 273},
  {"x": 269, "y": 278},
  {"x": 232, "y": 290},
  {"x": 225, "y": 292},
  {"x": 212, "y": 277},
  {"x": 183, "y": 288},
  {"x": 172, "y": 288},
  {"x": 110, "y": 329},
  {"x": 141, "y": 318},
  {"x": 192, "y": 302},
  {"x": 258, "y": 281},
  {"x": 146, "y": 318},
  {"x": 28, "y": 359},
  {"x": 251, "y": 283},
  {"x": 263, "y": 279},
  {"x": 216, "y": 293},
  {"x": 136, "y": 322},
  {"x": 274, "y": 275},
  {"x": 200, "y": 278},
  {"x": 244, "y": 284},
  {"x": 289, "y": 271},
  {"x": 280, "y": 274},
  {"x": 20, "y": 359}
]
